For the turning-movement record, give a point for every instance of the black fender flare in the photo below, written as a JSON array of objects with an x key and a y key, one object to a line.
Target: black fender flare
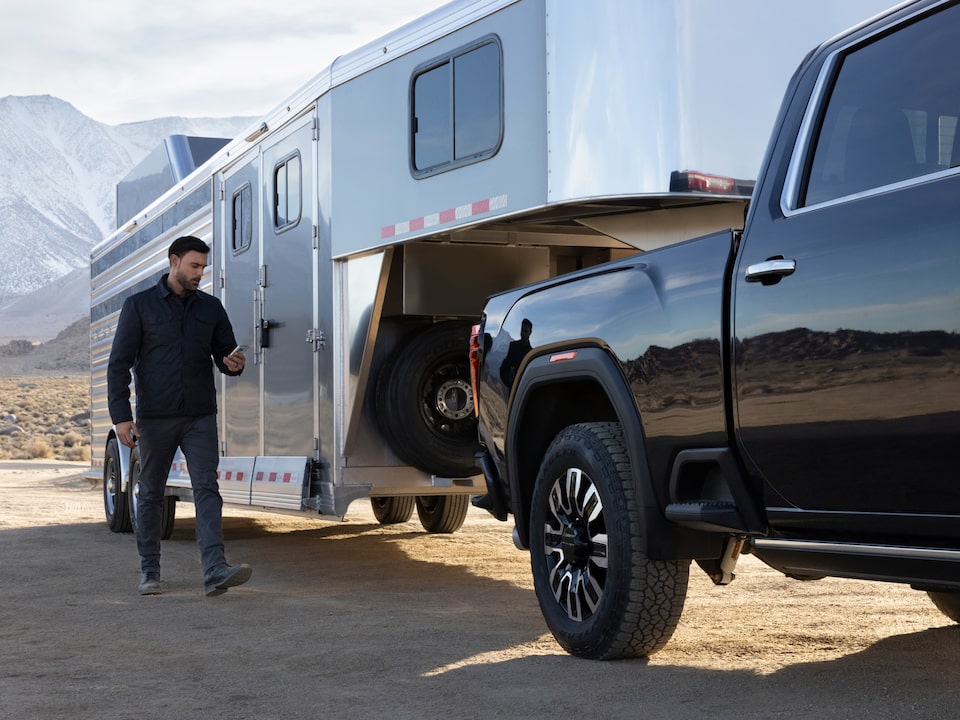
[{"x": 599, "y": 366}]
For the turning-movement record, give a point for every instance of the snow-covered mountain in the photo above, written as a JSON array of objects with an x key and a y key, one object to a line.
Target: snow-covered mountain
[{"x": 58, "y": 172}]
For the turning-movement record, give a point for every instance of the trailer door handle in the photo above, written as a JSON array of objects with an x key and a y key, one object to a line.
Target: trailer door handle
[
  {"x": 771, "y": 271},
  {"x": 264, "y": 328}
]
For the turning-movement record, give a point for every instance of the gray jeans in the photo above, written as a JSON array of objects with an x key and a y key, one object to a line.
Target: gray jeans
[{"x": 158, "y": 443}]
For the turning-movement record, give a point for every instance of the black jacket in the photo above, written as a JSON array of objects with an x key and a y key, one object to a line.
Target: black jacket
[{"x": 171, "y": 346}]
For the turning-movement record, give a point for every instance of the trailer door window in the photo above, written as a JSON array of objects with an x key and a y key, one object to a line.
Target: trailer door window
[
  {"x": 457, "y": 114},
  {"x": 287, "y": 204},
  {"x": 242, "y": 220}
]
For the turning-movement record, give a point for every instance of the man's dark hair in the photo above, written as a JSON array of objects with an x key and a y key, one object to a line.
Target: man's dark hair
[{"x": 182, "y": 245}]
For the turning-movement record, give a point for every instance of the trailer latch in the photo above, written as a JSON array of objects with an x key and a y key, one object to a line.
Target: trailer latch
[{"x": 316, "y": 338}]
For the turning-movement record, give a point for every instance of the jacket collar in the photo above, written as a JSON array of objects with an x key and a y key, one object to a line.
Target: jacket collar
[{"x": 166, "y": 292}]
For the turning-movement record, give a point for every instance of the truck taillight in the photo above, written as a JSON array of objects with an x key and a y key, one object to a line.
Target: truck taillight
[{"x": 475, "y": 364}]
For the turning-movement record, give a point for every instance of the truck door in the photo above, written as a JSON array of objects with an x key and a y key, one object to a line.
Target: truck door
[
  {"x": 846, "y": 305},
  {"x": 286, "y": 292}
]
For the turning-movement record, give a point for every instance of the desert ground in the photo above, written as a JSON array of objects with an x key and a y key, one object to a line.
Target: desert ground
[
  {"x": 353, "y": 619},
  {"x": 356, "y": 620}
]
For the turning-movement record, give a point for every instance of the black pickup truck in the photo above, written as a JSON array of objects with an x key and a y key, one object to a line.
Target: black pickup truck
[{"x": 790, "y": 390}]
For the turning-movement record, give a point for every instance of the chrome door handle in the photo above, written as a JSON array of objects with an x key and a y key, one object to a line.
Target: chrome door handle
[{"x": 770, "y": 271}]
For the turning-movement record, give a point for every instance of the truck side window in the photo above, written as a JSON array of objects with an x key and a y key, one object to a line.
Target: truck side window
[
  {"x": 892, "y": 113},
  {"x": 456, "y": 109},
  {"x": 287, "y": 205}
]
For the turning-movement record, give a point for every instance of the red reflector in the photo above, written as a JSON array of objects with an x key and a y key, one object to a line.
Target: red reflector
[
  {"x": 570, "y": 355},
  {"x": 474, "y": 354}
]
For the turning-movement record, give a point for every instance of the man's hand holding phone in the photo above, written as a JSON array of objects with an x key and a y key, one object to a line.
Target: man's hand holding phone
[{"x": 236, "y": 360}]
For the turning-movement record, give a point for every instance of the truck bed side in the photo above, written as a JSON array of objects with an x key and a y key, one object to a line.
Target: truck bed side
[{"x": 644, "y": 344}]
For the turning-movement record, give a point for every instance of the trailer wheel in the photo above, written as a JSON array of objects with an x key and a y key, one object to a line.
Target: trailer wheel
[
  {"x": 424, "y": 402},
  {"x": 133, "y": 492},
  {"x": 114, "y": 499},
  {"x": 392, "y": 510},
  {"x": 442, "y": 513},
  {"x": 601, "y": 596}
]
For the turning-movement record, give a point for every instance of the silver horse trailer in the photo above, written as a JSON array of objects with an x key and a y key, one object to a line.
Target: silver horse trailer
[{"x": 357, "y": 228}]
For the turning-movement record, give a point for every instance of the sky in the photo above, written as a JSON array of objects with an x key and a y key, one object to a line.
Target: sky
[{"x": 132, "y": 60}]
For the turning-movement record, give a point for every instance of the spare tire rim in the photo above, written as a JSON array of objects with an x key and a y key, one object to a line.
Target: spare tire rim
[{"x": 454, "y": 399}]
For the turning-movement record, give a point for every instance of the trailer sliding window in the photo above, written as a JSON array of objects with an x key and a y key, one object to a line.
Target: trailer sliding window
[
  {"x": 456, "y": 104},
  {"x": 287, "y": 195}
]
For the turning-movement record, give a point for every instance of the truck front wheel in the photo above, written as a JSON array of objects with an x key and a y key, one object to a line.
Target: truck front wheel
[{"x": 601, "y": 596}]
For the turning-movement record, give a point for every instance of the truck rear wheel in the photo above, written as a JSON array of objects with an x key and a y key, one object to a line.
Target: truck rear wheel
[
  {"x": 114, "y": 498},
  {"x": 392, "y": 510},
  {"x": 948, "y": 603},
  {"x": 425, "y": 403},
  {"x": 442, "y": 513},
  {"x": 601, "y": 596},
  {"x": 133, "y": 492}
]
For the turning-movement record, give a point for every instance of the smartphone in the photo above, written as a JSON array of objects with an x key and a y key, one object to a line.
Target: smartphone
[{"x": 238, "y": 348}]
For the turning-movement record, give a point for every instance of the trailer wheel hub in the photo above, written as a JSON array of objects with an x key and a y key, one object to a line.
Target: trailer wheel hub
[{"x": 455, "y": 399}]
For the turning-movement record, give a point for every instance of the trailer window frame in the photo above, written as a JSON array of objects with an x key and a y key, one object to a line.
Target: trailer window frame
[
  {"x": 281, "y": 192},
  {"x": 459, "y": 122}
]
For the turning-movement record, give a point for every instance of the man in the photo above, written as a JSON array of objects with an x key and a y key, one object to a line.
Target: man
[
  {"x": 168, "y": 336},
  {"x": 516, "y": 352}
]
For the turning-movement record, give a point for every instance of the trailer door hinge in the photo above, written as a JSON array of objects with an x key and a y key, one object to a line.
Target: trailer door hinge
[{"x": 316, "y": 338}]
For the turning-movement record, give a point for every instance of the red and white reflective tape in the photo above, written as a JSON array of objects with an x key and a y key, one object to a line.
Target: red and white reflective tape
[
  {"x": 474, "y": 209},
  {"x": 273, "y": 477}
]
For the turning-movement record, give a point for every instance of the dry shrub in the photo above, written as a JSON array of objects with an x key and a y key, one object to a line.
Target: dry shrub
[
  {"x": 38, "y": 449},
  {"x": 50, "y": 411},
  {"x": 73, "y": 439},
  {"x": 76, "y": 454}
]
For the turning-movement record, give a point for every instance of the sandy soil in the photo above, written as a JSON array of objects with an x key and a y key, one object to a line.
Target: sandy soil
[{"x": 356, "y": 620}]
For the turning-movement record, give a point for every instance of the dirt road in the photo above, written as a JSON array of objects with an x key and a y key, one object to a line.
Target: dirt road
[{"x": 355, "y": 620}]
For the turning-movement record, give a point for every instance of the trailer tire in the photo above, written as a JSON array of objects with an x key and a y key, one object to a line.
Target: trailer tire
[
  {"x": 114, "y": 498},
  {"x": 947, "y": 602},
  {"x": 600, "y": 594},
  {"x": 442, "y": 513},
  {"x": 392, "y": 510},
  {"x": 169, "y": 512},
  {"x": 424, "y": 402}
]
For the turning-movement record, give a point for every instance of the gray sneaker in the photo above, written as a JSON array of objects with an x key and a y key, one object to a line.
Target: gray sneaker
[
  {"x": 150, "y": 584},
  {"x": 226, "y": 576}
]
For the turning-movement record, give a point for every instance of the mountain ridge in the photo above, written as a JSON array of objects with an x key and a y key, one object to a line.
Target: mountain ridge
[{"x": 58, "y": 174}]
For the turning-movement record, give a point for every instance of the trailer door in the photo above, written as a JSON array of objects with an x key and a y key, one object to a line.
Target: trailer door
[
  {"x": 287, "y": 292},
  {"x": 241, "y": 262}
]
